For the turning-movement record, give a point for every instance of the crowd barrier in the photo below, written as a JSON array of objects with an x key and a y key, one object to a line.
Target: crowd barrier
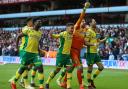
[
  {"x": 67, "y": 12},
  {"x": 113, "y": 64}
]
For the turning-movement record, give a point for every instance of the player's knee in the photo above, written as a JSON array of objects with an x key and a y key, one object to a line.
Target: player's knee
[
  {"x": 89, "y": 71},
  {"x": 34, "y": 68},
  {"x": 64, "y": 71},
  {"x": 80, "y": 68},
  {"x": 21, "y": 69},
  {"x": 25, "y": 77},
  {"x": 30, "y": 66},
  {"x": 29, "y": 69},
  {"x": 69, "y": 69},
  {"x": 101, "y": 68},
  {"x": 40, "y": 69},
  {"x": 58, "y": 69}
]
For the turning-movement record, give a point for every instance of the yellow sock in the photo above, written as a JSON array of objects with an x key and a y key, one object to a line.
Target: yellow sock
[
  {"x": 26, "y": 82},
  {"x": 17, "y": 76},
  {"x": 62, "y": 75},
  {"x": 33, "y": 73},
  {"x": 25, "y": 74},
  {"x": 69, "y": 76},
  {"x": 89, "y": 77},
  {"x": 52, "y": 74},
  {"x": 82, "y": 79},
  {"x": 41, "y": 79},
  {"x": 97, "y": 72},
  {"x": 60, "y": 78}
]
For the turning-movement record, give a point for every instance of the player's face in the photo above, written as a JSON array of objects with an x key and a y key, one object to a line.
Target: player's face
[
  {"x": 38, "y": 23},
  {"x": 93, "y": 23},
  {"x": 83, "y": 23},
  {"x": 70, "y": 29},
  {"x": 30, "y": 23}
]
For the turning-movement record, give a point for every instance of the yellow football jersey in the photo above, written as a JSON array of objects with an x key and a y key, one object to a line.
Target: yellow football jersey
[
  {"x": 91, "y": 37},
  {"x": 65, "y": 42},
  {"x": 32, "y": 40}
]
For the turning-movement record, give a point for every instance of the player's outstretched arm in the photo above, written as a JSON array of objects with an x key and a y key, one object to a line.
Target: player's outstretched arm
[
  {"x": 87, "y": 43},
  {"x": 82, "y": 15},
  {"x": 42, "y": 52},
  {"x": 54, "y": 35},
  {"x": 103, "y": 40}
]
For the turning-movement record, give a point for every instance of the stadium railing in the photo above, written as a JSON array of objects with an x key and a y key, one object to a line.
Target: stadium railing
[
  {"x": 111, "y": 64},
  {"x": 50, "y": 27},
  {"x": 63, "y": 12}
]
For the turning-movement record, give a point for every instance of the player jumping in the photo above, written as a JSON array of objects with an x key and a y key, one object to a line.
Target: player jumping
[
  {"x": 31, "y": 53},
  {"x": 77, "y": 45},
  {"x": 63, "y": 56},
  {"x": 92, "y": 57}
]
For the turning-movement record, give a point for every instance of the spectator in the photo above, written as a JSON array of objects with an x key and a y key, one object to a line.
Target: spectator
[
  {"x": 116, "y": 46},
  {"x": 5, "y": 51},
  {"x": 0, "y": 50}
]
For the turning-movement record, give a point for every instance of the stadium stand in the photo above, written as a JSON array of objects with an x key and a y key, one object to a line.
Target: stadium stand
[{"x": 114, "y": 48}]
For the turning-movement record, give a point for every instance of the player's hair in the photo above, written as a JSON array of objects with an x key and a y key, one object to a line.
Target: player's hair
[
  {"x": 29, "y": 19},
  {"x": 69, "y": 24},
  {"x": 36, "y": 18},
  {"x": 88, "y": 21}
]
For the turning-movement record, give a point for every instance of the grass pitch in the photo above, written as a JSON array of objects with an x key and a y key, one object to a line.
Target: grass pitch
[{"x": 109, "y": 79}]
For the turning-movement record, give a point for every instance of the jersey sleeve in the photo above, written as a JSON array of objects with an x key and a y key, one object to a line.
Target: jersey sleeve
[
  {"x": 88, "y": 36},
  {"x": 77, "y": 25},
  {"x": 57, "y": 35},
  {"x": 25, "y": 31}
]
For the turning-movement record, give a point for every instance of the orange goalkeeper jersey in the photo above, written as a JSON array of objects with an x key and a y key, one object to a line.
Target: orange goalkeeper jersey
[
  {"x": 78, "y": 40},
  {"x": 79, "y": 34}
]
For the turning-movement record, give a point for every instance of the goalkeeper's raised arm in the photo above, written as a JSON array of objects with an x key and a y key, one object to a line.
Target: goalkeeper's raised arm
[{"x": 82, "y": 15}]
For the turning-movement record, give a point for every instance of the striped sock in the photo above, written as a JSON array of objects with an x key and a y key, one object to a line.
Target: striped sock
[
  {"x": 69, "y": 77},
  {"x": 41, "y": 80}
]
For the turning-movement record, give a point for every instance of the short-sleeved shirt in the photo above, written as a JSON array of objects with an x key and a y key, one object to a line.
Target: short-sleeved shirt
[
  {"x": 32, "y": 40},
  {"x": 65, "y": 42},
  {"x": 91, "y": 37}
]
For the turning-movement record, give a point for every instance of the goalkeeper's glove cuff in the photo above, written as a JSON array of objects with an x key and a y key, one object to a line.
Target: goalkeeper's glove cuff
[{"x": 84, "y": 9}]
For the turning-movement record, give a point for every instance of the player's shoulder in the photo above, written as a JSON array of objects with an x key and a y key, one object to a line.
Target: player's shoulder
[
  {"x": 88, "y": 30},
  {"x": 63, "y": 33},
  {"x": 40, "y": 32},
  {"x": 26, "y": 28}
]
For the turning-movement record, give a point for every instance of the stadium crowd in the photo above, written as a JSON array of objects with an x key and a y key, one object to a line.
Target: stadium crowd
[{"x": 115, "y": 48}]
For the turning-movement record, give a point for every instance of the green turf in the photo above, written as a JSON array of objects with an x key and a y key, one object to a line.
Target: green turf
[{"x": 109, "y": 79}]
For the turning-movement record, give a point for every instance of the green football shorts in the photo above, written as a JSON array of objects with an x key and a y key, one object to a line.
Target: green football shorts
[
  {"x": 31, "y": 58},
  {"x": 63, "y": 60},
  {"x": 92, "y": 58}
]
